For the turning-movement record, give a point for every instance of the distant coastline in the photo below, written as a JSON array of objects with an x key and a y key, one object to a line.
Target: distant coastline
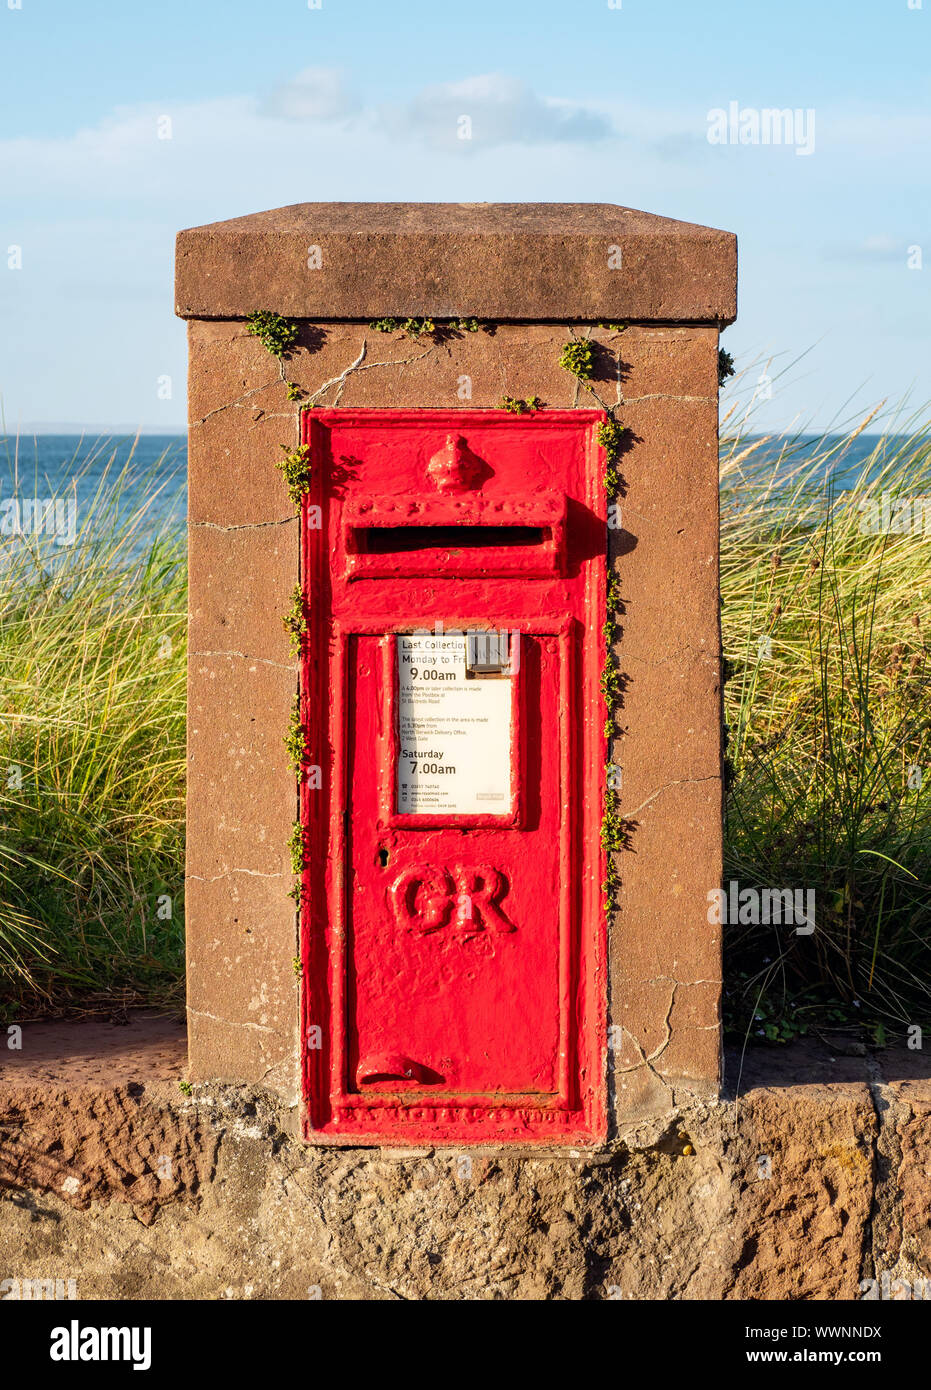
[{"x": 69, "y": 429}]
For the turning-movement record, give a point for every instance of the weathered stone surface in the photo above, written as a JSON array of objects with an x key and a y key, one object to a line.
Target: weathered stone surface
[
  {"x": 233, "y": 581},
  {"x": 68, "y": 1132},
  {"x": 783, "y": 1194},
  {"x": 818, "y": 1145},
  {"x": 493, "y": 260},
  {"x": 902, "y": 1215}
]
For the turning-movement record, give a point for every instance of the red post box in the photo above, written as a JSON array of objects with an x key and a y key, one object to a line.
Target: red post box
[
  {"x": 463, "y": 976},
  {"x": 452, "y": 918}
]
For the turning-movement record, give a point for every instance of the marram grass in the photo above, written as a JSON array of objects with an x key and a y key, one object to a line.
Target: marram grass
[
  {"x": 92, "y": 691},
  {"x": 826, "y": 622}
]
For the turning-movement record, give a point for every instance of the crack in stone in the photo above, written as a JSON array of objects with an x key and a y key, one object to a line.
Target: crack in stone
[
  {"x": 263, "y": 661},
  {"x": 679, "y": 782},
  {"x": 360, "y": 365},
  {"x": 671, "y": 979},
  {"x": 243, "y": 525},
  {"x": 664, "y": 396},
  {"x": 667, "y": 1025},
  {"x": 341, "y": 379},
  {"x": 214, "y": 1018},
  {"x": 658, "y": 1051},
  {"x": 587, "y": 384},
  {"x": 231, "y": 405},
  {"x": 885, "y": 1149},
  {"x": 879, "y": 1103},
  {"x": 253, "y": 873}
]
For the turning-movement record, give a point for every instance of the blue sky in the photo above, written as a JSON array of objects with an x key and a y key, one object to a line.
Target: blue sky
[{"x": 273, "y": 102}]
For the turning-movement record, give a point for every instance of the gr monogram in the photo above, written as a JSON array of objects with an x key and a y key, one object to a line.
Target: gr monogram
[{"x": 427, "y": 897}]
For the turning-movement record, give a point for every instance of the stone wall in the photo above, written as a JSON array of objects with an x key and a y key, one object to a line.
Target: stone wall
[{"x": 815, "y": 1179}]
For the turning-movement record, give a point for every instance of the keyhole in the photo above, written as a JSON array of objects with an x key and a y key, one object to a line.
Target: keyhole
[{"x": 383, "y": 857}]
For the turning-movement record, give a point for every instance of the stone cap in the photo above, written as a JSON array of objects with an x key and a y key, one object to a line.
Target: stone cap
[{"x": 534, "y": 262}]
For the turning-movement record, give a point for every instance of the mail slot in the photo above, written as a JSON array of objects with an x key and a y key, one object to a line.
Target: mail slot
[
  {"x": 421, "y": 536},
  {"x": 453, "y": 928}
]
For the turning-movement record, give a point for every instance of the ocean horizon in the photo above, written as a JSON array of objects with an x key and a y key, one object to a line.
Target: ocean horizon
[{"x": 84, "y": 465}]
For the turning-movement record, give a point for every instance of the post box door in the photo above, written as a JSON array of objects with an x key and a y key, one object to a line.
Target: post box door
[
  {"x": 455, "y": 935},
  {"x": 452, "y": 919}
]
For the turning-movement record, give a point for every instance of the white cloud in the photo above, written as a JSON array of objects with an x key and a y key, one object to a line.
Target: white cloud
[
  {"x": 215, "y": 146},
  {"x": 875, "y": 249},
  {"x": 879, "y": 132},
  {"x": 401, "y": 150},
  {"x": 316, "y": 94},
  {"x": 499, "y": 110},
  {"x": 122, "y": 158}
]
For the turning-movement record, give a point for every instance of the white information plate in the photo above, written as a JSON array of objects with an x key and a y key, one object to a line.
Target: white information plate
[{"x": 454, "y": 732}]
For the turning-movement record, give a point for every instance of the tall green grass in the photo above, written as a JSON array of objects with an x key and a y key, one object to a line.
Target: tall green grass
[
  {"x": 827, "y": 635},
  {"x": 92, "y": 689}
]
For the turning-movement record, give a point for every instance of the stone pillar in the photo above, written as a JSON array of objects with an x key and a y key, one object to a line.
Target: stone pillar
[{"x": 651, "y": 295}]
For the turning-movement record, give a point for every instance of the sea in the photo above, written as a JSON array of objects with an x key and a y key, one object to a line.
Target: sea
[
  {"x": 126, "y": 470},
  {"x": 99, "y": 472}
]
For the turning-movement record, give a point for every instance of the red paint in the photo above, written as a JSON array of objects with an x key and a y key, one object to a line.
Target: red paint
[{"x": 454, "y": 965}]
